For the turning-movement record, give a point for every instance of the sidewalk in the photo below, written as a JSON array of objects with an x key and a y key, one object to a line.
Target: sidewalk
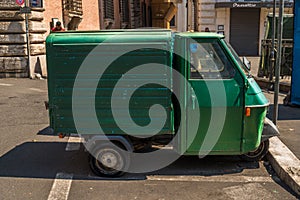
[
  {"x": 284, "y": 152},
  {"x": 288, "y": 123},
  {"x": 288, "y": 117}
]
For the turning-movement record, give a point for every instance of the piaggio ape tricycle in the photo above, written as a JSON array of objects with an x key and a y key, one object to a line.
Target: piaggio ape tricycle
[{"x": 130, "y": 93}]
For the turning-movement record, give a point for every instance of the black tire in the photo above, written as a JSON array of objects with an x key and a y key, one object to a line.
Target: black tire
[
  {"x": 108, "y": 160},
  {"x": 258, "y": 153}
]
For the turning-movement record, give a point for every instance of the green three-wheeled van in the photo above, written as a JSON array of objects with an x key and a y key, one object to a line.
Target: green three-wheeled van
[{"x": 140, "y": 97}]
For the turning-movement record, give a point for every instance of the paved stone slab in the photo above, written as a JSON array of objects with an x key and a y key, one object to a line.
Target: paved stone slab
[
  {"x": 13, "y": 50},
  {"x": 10, "y": 64},
  {"x": 36, "y": 15},
  {"x": 8, "y": 4},
  {"x": 11, "y": 15},
  {"x": 37, "y": 49},
  {"x": 12, "y": 38},
  {"x": 37, "y": 27},
  {"x": 12, "y": 27},
  {"x": 37, "y": 38}
]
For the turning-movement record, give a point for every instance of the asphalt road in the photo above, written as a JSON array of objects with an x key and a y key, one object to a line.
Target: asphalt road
[{"x": 37, "y": 166}]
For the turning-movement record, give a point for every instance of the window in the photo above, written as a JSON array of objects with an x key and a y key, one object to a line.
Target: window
[
  {"x": 172, "y": 22},
  {"x": 241, "y": 64},
  {"x": 208, "y": 61},
  {"x": 73, "y": 7}
]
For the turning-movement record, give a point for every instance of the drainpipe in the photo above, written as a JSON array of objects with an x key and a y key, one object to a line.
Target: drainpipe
[
  {"x": 187, "y": 15},
  {"x": 27, "y": 40}
]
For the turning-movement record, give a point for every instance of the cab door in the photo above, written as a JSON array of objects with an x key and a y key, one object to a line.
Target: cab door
[{"x": 219, "y": 89}]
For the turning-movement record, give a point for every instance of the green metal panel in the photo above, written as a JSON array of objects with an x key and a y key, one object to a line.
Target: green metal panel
[
  {"x": 255, "y": 99},
  {"x": 179, "y": 65},
  {"x": 253, "y": 129},
  {"x": 229, "y": 140},
  {"x": 240, "y": 134},
  {"x": 253, "y": 125},
  {"x": 254, "y": 95},
  {"x": 67, "y": 51}
]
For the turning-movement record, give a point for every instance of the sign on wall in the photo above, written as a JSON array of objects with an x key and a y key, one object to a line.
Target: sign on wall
[
  {"x": 20, "y": 2},
  {"x": 251, "y": 4},
  {"x": 36, "y": 3}
]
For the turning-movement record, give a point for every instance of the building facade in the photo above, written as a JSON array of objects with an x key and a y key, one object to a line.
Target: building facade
[
  {"x": 13, "y": 47},
  {"x": 17, "y": 59},
  {"x": 122, "y": 14},
  {"x": 242, "y": 22}
]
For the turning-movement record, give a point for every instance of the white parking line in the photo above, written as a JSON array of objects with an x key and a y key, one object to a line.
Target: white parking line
[
  {"x": 248, "y": 191},
  {"x": 6, "y": 84},
  {"x": 228, "y": 179},
  {"x": 37, "y": 90},
  {"x": 73, "y": 143},
  {"x": 61, "y": 187}
]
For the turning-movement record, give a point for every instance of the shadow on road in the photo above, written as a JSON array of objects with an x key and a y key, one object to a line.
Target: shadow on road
[
  {"x": 285, "y": 112},
  {"x": 46, "y": 159},
  {"x": 46, "y": 131},
  {"x": 36, "y": 160}
]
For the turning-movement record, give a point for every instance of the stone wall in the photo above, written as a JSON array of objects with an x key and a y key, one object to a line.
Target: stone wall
[
  {"x": 37, "y": 37},
  {"x": 207, "y": 15},
  {"x": 13, "y": 48}
]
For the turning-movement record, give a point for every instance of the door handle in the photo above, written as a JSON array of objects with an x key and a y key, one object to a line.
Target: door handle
[{"x": 193, "y": 101}]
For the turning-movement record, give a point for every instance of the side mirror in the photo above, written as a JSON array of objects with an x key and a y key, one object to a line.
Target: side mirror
[{"x": 247, "y": 63}]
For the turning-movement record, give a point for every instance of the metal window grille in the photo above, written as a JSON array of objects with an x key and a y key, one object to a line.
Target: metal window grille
[
  {"x": 108, "y": 8},
  {"x": 73, "y": 6},
  {"x": 124, "y": 10}
]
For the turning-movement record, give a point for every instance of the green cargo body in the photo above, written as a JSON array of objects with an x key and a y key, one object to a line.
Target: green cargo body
[
  {"x": 240, "y": 133},
  {"x": 66, "y": 53}
]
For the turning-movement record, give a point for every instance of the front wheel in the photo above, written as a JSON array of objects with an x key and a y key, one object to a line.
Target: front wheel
[
  {"x": 108, "y": 160},
  {"x": 258, "y": 153}
]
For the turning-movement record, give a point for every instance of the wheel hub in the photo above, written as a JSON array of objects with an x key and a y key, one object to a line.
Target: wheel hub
[{"x": 109, "y": 160}]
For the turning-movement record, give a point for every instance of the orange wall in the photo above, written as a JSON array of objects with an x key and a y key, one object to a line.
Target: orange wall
[
  {"x": 53, "y": 9},
  {"x": 90, "y": 18}
]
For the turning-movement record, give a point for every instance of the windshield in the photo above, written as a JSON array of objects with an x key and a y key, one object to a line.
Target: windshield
[{"x": 235, "y": 55}]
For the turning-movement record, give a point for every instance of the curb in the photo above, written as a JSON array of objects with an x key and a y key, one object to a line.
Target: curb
[
  {"x": 285, "y": 164},
  {"x": 265, "y": 83}
]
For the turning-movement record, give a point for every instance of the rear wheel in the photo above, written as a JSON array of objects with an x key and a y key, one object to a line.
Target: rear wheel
[
  {"x": 108, "y": 160},
  {"x": 258, "y": 153}
]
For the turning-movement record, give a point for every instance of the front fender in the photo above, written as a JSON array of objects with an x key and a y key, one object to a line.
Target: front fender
[
  {"x": 91, "y": 143},
  {"x": 269, "y": 130}
]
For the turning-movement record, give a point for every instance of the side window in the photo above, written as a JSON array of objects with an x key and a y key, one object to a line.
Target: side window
[{"x": 208, "y": 61}]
